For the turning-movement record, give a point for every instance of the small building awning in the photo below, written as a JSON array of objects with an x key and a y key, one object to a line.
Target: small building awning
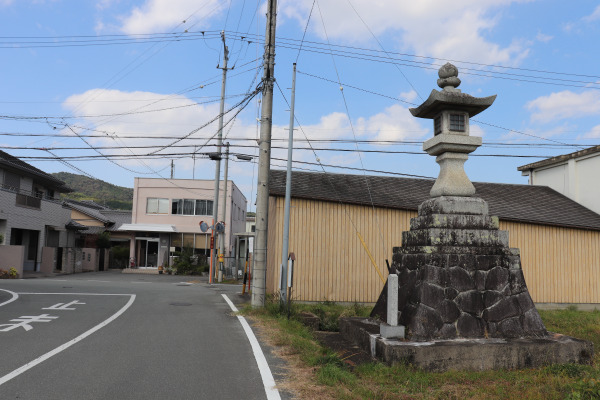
[
  {"x": 245, "y": 234},
  {"x": 147, "y": 228}
]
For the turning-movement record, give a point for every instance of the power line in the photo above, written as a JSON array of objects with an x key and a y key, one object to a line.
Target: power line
[{"x": 390, "y": 97}]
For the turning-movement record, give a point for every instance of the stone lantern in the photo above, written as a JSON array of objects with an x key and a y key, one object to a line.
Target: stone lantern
[
  {"x": 450, "y": 110},
  {"x": 457, "y": 291}
]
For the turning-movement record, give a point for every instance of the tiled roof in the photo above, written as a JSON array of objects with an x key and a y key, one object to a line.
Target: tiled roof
[
  {"x": 13, "y": 162},
  {"x": 91, "y": 212},
  {"x": 560, "y": 159},
  {"x": 75, "y": 226},
  {"x": 88, "y": 204},
  {"x": 119, "y": 218},
  {"x": 522, "y": 203}
]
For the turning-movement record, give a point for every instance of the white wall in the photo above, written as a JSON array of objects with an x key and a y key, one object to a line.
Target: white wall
[{"x": 578, "y": 179}]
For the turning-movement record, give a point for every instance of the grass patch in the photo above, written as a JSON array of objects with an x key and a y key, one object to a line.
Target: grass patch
[{"x": 321, "y": 373}]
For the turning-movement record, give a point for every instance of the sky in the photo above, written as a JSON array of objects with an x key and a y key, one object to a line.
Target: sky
[{"x": 117, "y": 89}]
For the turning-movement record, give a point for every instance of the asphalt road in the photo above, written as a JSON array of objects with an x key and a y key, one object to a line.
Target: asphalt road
[{"x": 115, "y": 336}]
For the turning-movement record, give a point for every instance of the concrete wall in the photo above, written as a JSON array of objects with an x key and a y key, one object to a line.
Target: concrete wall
[
  {"x": 89, "y": 259},
  {"x": 48, "y": 257},
  {"x": 12, "y": 257}
]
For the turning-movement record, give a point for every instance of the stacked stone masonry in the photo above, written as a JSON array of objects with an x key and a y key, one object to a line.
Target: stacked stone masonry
[{"x": 459, "y": 279}]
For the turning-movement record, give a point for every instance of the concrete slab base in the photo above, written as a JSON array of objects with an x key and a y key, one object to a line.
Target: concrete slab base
[
  {"x": 391, "y": 331},
  {"x": 467, "y": 354},
  {"x": 147, "y": 271}
]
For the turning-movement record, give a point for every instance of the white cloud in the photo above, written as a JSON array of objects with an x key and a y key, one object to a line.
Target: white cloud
[
  {"x": 5, "y": 3},
  {"x": 182, "y": 115},
  {"x": 565, "y": 104},
  {"x": 428, "y": 27},
  {"x": 594, "y": 16},
  {"x": 593, "y": 133},
  {"x": 178, "y": 117},
  {"x": 164, "y": 15},
  {"x": 476, "y": 130},
  {"x": 409, "y": 96},
  {"x": 394, "y": 123},
  {"x": 541, "y": 37}
]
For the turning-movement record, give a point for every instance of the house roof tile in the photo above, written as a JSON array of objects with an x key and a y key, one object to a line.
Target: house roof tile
[{"x": 522, "y": 203}]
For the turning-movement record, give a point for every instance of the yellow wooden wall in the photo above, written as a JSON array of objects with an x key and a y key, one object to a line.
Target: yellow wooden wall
[{"x": 561, "y": 265}]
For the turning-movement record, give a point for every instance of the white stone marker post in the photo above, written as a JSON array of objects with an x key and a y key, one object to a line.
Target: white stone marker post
[{"x": 391, "y": 329}]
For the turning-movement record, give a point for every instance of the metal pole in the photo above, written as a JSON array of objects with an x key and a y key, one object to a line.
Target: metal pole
[
  {"x": 194, "y": 168},
  {"x": 222, "y": 237},
  {"x": 172, "y": 169},
  {"x": 259, "y": 281},
  {"x": 219, "y": 144},
  {"x": 288, "y": 190}
]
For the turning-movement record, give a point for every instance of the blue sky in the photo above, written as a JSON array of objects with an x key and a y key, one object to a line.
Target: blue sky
[{"x": 142, "y": 73}]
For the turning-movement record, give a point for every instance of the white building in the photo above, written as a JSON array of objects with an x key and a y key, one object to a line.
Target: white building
[
  {"x": 575, "y": 175},
  {"x": 166, "y": 215}
]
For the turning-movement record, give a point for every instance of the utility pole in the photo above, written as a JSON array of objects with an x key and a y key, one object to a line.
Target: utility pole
[
  {"x": 172, "y": 169},
  {"x": 219, "y": 144},
  {"x": 288, "y": 190},
  {"x": 222, "y": 237},
  {"x": 194, "y": 168},
  {"x": 259, "y": 281}
]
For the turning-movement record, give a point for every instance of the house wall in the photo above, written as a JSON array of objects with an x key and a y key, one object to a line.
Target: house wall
[
  {"x": 576, "y": 178},
  {"x": 50, "y": 213},
  {"x": 84, "y": 219},
  {"x": 561, "y": 265}
]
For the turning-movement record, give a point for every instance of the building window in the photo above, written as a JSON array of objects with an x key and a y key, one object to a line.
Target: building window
[
  {"x": 157, "y": 206},
  {"x": 191, "y": 207},
  {"x": 457, "y": 122},
  {"x": 204, "y": 207},
  {"x": 253, "y": 228},
  {"x": 437, "y": 125}
]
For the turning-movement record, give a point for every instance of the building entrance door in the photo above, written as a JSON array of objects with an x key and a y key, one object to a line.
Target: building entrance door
[{"x": 147, "y": 252}]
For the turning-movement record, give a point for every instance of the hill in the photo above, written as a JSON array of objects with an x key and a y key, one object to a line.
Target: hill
[{"x": 113, "y": 196}]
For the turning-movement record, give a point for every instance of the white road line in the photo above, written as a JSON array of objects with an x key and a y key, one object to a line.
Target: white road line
[
  {"x": 13, "y": 298},
  {"x": 263, "y": 366},
  {"x": 65, "y": 346},
  {"x": 96, "y": 280},
  {"x": 84, "y": 294}
]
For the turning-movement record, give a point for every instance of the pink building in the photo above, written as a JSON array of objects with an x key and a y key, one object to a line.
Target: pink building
[{"x": 166, "y": 216}]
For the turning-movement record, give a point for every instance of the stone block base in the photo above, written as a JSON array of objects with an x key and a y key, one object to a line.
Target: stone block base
[
  {"x": 391, "y": 332},
  {"x": 468, "y": 354}
]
